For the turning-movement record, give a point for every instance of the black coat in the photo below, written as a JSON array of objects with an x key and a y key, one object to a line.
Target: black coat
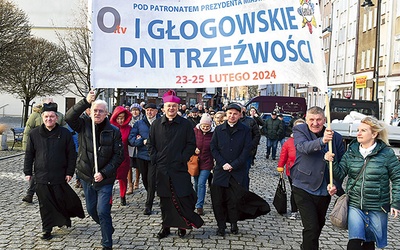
[
  {"x": 233, "y": 149},
  {"x": 52, "y": 153},
  {"x": 255, "y": 133},
  {"x": 171, "y": 144},
  {"x": 110, "y": 152}
]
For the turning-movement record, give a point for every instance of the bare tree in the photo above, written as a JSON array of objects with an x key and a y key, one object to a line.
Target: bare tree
[
  {"x": 14, "y": 29},
  {"x": 253, "y": 91},
  {"x": 76, "y": 43},
  {"x": 42, "y": 70}
]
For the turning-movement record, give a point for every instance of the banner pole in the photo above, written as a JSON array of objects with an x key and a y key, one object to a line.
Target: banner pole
[
  {"x": 328, "y": 122},
  {"x": 96, "y": 167}
]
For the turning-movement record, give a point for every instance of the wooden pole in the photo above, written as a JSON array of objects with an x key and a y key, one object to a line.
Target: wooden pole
[{"x": 328, "y": 122}]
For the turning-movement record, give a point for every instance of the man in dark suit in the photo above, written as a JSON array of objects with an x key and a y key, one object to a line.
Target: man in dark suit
[{"x": 310, "y": 173}]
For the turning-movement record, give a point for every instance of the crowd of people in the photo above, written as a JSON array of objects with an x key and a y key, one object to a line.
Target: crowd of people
[{"x": 156, "y": 142}]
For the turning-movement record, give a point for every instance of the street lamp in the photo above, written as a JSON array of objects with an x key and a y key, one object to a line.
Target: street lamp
[{"x": 367, "y": 5}]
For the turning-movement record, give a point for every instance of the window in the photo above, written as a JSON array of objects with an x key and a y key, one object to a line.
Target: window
[
  {"x": 368, "y": 60},
  {"x": 369, "y": 20},
  {"x": 396, "y": 56},
  {"x": 365, "y": 23},
  {"x": 362, "y": 60}
]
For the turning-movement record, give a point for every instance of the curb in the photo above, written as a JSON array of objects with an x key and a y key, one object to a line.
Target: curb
[{"x": 11, "y": 156}]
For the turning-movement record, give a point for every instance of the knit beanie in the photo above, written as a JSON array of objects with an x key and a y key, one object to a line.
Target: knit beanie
[{"x": 206, "y": 119}]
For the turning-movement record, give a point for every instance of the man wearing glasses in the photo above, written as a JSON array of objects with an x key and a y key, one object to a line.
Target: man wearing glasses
[{"x": 97, "y": 186}]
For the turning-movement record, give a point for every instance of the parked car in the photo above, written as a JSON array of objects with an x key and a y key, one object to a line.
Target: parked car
[
  {"x": 283, "y": 104},
  {"x": 342, "y": 107}
]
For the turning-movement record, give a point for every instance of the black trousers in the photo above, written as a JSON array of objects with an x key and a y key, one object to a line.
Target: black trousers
[
  {"x": 312, "y": 211},
  {"x": 148, "y": 172},
  {"x": 224, "y": 205}
]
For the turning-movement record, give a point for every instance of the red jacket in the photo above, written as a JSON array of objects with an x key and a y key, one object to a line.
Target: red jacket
[
  {"x": 288, "y": 155},
  {"x": 125, "y": 128}
]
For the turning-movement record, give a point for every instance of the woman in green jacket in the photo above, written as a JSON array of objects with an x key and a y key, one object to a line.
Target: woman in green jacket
[{"x": 371, "y": 198}]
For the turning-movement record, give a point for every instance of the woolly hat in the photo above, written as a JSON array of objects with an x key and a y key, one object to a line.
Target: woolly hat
[
  {"x": 206, "y": 119},
  {"x": 136, "y": 106},
  {"x": 170, "y": 96}
]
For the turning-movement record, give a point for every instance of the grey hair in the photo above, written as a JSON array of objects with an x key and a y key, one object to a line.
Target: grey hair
[
  {"x": 315, "y": 110},
  {"x": 101, "y": 102}
]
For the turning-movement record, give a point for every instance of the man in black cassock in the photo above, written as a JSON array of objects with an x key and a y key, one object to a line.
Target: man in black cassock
[
  {"x": 171, "y": 143},
  {"x": 50, "y": 151}
]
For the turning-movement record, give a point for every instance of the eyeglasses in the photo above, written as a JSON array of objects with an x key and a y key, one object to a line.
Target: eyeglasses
[{"x": 100, "y": 111}]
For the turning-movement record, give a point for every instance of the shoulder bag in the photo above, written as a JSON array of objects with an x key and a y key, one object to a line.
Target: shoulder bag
[
  {"x": 193, "y": 165},
  {"x": 339, "y": 213}
]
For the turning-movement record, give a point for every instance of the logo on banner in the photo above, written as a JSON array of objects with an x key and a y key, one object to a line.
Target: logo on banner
[{"x": 307, "y": 10}]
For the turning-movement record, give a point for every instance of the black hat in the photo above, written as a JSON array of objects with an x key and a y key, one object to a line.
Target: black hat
[
  {"x": 194, "y": 110},
  {"x": 234, "y": 106},
  {"x": 50, "y": 107},
  {"x": 273, "y": 112},
  {"x": 150, "y": 105}
]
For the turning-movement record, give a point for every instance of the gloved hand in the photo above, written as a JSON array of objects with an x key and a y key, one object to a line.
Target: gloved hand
[{"x": 280, "y": 169}]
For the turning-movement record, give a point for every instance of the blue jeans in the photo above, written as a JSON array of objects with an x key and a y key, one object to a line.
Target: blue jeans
[
  {"x": 200, "y": 187},
  {"x": 99, "y": 208},
  {"x": 281, "y": 142},
  {"x": 369, "y": 226},
  {"x": 272, "y": 143},
  {"x": 246, "y": 183}
]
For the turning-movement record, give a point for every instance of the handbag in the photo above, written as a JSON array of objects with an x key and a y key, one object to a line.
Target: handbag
[
  {"x": 339, "y": 213},
  {"x": 280, "y": 198},
  {"x": 193, "y": 165}
]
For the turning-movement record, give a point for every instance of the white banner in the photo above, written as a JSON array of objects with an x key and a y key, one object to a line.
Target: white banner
[{"x": 199, "y": 44}]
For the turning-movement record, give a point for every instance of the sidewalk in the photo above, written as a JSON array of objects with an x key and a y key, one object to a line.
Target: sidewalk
[{"x": 20, "y": 224}]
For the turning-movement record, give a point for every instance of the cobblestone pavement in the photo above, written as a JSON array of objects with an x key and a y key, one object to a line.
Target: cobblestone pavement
[{"x": 20, "y": 224}]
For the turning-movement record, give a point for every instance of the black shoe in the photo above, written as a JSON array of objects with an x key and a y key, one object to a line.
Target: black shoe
[
  {"x": 46, "y": 236},
  {"x": 181, "y": 232},
  {"x": 123, "y": 201},
  {"x": 221, "y": 231},
  {"x": 28, "y": 198},
  {"x": 273, "y": 158},
  {"x": 107, "y": 248},
  {"x": 147, "y": 211},
  {"x": 234, "y": 228},
  {"x": 267, "y": 156},
  {"x": 164, "y": 232}
]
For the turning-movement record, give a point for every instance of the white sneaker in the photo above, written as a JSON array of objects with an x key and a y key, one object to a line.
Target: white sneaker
[{"x": 293, "y": 216}]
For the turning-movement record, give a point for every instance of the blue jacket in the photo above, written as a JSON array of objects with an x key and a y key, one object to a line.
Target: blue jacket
[
  {"x": 310, "y": 169},
  {"x": 233, "y": 149},
  {"x": 142, "y": 128}
]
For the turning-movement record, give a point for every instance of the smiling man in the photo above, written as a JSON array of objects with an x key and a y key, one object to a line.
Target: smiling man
[
  {"x": 171, "y": 143},
  {"x": 310, "y": 173},
  {"x": 230, "y": 147},
  {"x": 97, "y": 186},
  {"x": 50, "y": 150}
]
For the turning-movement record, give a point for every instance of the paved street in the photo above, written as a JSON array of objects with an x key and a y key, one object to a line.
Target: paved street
[{"x": 20, "y": 225}]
